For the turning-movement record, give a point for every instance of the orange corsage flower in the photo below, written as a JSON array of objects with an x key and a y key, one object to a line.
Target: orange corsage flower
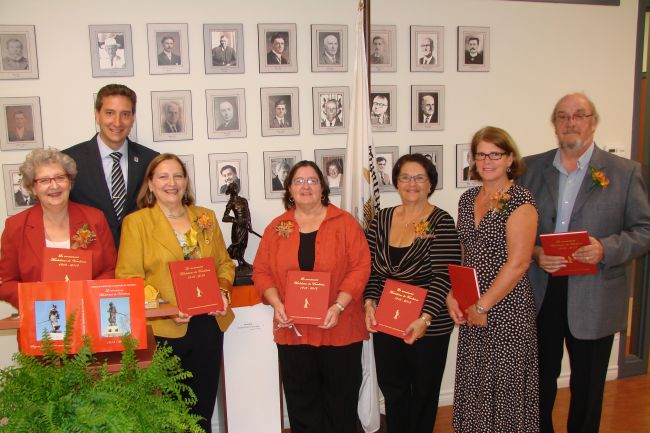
[
  {"x": 82, "y": 238},
  {"x": 500, "y": 200},
  {"x": 598, "y": 177},
  {"x": 204, "y": 224},
  {"x": 422, "y": 230},
  {"x": 284, "y": 229}
]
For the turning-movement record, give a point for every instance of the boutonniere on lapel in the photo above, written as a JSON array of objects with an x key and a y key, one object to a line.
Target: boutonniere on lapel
[
  {"x": 422, "y": 230},
  {"x": 284, "y": 229},
  {"x": 82, "y": 238},
  {"x": 499, "y": 201},
  {"x": 204, "y": 224},
  {"x": 598, "y": 177},
  {"x": 191, "y": 247}
]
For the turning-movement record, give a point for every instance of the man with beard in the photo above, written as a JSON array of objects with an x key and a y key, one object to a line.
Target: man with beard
[
  {"x": 578, "y": 186},
  {"x": 472, "y": 55}
]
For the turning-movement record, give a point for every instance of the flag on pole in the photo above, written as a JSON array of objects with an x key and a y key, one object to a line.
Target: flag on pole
[{"x": 360, "y": 194}]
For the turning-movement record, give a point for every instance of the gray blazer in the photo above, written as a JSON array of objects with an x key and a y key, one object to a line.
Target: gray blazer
[{"x": 618, "y": 216}]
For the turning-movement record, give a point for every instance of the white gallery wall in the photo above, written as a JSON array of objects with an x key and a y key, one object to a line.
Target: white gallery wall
[{"x": 539, "y": 51}]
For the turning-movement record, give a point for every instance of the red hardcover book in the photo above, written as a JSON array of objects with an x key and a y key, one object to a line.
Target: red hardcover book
[
  {"x": 399, "y": 305},
  {"x": 307, "y": 297},
  {"x": 196, "y": 286},
  {"x": 565, "y": 244},
  {"x": 114, "y": 308},
  {"x": 63, "y": 264},
  {"x": 464, "y": 284},
  {"x": 46, "y": 307}
]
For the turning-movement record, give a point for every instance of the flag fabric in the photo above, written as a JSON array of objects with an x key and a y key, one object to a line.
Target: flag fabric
[{"x": 360, "y": 197}]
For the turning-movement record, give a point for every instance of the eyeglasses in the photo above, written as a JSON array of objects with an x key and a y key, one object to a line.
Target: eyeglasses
[
  {"x": 577, "y": 117},
  {"x": 418, "y": 178},
  {"x": 494, "y": 156},
  {"x": 378, "y": 104},
  {"x": 59, "y": 179},
  {"x": 309, "y": 181}
]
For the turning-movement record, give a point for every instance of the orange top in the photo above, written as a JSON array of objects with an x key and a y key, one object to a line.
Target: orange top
[{"x": 341, "y": 249}]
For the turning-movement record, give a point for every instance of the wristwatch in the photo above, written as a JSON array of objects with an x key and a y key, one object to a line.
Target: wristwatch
[
  {"x": 339, "y": 306},
  {"x": 426, "y": 321},
  {"x": 481, "y": 310}
]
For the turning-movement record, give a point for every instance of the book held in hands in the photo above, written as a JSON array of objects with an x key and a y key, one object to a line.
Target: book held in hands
[
  {"x": 64, "y": 264},
  {"x": 464, "y": 285},
  {"x": 196, "y": 286},
  {"x": 399, "y": 305},
  {"x": 307, "y": 297},
  {"x": 564, "y": 245}
]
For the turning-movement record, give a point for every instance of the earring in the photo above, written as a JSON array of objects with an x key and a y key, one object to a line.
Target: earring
[
  {"x": 322, "y": 197},
  {"x": 185, "y": 197},
  {"x": 508, "y": 170},
  {"x": 149, "y": 197},
  {"x": 291, "y": 202}
]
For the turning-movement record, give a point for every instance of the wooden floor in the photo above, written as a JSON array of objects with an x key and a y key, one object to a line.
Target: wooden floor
[{"x": 626, "y": 408}]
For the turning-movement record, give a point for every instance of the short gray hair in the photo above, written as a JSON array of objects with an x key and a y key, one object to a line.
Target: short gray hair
[
  {"x": 39, "y": 157},
  {"x": 592, "y": 106}
]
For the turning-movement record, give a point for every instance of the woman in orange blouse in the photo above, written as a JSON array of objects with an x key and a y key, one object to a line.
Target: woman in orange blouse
[{"x": 320, "y": 365}]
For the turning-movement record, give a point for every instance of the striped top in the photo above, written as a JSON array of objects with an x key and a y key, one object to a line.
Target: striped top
[{"x": 424, "y": 264}]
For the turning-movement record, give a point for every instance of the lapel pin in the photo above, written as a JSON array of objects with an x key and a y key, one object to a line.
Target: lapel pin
[{"x": 136, "y": 159}]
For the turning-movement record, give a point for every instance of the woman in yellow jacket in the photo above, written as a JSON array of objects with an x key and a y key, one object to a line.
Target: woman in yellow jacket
[{"x": 169, "y": 227}]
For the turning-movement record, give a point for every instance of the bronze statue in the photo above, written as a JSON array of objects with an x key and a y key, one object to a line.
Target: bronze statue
[{"x": 241, "y": 225}]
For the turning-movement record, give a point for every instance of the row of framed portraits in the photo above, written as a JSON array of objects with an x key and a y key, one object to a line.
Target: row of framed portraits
[
  {"x": 21, "y": 126},
  {"x": 111, "y": 49},
  {"x": 225, "y": 168}
]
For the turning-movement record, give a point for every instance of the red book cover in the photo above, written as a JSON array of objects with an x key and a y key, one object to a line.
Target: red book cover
[
  {"x": 464, "y": 284},
  {"x": 307, "y": 297},
  {"x": 46, "y": 307},
  {"x": 114, "y": 308},
  {"x": 196, "y": 286},
  {"x": 63, "y": 264},
  {"x": 399, "y": 305},
  {"x": 565, "y": 244}
]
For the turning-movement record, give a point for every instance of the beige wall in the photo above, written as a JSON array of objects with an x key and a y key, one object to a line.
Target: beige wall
[{"x": 539, "y": 52}]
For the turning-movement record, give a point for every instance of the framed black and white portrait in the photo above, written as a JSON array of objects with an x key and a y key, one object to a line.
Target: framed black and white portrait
[
  {"x": 18, "y": 53},
  {"x": 332, "y": 163},
  {"x": 20, "y": 125},
  {"x": 168, "y": 49},
  {"x": 111, "y": 50},
  {"x": 385, "y": 158},
  {"x": 226, "y": 168},
  {"x": 226, "y": 110},
  {"x": 473, "y": 49},
  {"x": 331, "y": 106},
  {"x": 427, "y": 108},
  {"x": 329, "y": 48},
  {"x": 171, "y": 115},
  {"x": 383, "y": 117},
  {"x": 277, "y": 165},
  {"x": 277, "y": 47},
  {"x": 17, "y": 196},
  {"x": 427, "y": 49},
  {"x": 383, "y": 48},
  {"x": 279, "y": 111},
  {"x": 463, "y": 166},
  {"x": 434, "y": 154},
  {"x": 188, "y": 160},
  {"x": 224, "y": 48},
  {"x": 133, "y": 135}
]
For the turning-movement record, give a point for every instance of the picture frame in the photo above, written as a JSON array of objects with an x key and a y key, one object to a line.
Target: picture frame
[
  {"x": 226, "y": 112},
  {"x": 19, "y": 59},
  {"x": 188, "y": 160},
  {"x": 427, "y": 49},
  {"x": 473, "y": 49},
  {"x": 427, "y": 108},
  {"x": 226, "y": 168},
  {"x": 328, "y": 102},
  {"x": 332, "y": 163},
  {"x": 223, "y": 58},
  {"x": 168, "y": 48},
  {"x": 383, "y": 116},
  {"x": 133, "y": 135},
  {"x": 386, "y": 157},
  {"x": 329, "y": 48},
  {"x": 20, "y": 123},
  {"x": 171, "y": 115},
  {"x": 270, "y": 61},
  {"x": 272, "y": 98},
  {"x": 277, "y": 165},
  {"x": 111, "y": 50},
  {"x": 463, "y": 162},
  {"x": 383, "y": 48},
  {"x": 435, "y": 154},
  {"x": 16, "y": 198}
]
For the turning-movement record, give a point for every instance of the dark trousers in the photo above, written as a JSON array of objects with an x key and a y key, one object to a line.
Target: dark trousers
[
  {"x": 410, "y": 378},
  {"x": 321, "y": 386},
  {"x": 588, "y": 360},
  {"x": 200, "y": 352}
]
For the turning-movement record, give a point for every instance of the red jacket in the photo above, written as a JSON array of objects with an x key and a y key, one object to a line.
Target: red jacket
[
  {"x": 23, "y": 240},
  {"x": 341, "y": 249}
]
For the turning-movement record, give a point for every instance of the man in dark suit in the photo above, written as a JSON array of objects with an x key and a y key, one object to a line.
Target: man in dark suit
[
  {"x": 279, "y": 119},
  {"x": 20, "y": 130},
  {"x": 166, "y": 56},
  {"x": 378, "y": 46},
  {"x": 427, "y": 52},
  {"x": 224, "y": 55},
  {"x": 581, "y": 187},
  {"x": 230, "y": 121},
  {"x": 472, "y": 55},
  {"x": 330, "y": 54},
  {"x": 331, "y": 110},
  {"x": 22, "y": 197},
  {"x": 281, "y": 171},
  {"x": 427, "y": 112},
  {"x": 229, "y": 174},
  {"x": 276, "y": 55},
  {"x": 172, "y": 123},
  {"x": 100, "y": 167}
]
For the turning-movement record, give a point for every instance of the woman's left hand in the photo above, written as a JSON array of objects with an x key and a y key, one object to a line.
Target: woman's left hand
[
  {"x": 225, "y": 307},
  {"x": 415, "y": 331},
  {"x": 474, "y": 318},
  {"x": 331, "y": 318}
]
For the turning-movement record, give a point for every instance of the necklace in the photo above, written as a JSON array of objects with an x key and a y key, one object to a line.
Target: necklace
[
  {"x": 172, "y": 216},
  {"x": 417, "y": 218}
]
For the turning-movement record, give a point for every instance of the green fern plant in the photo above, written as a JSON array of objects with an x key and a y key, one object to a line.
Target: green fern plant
[{"x": 60, "y": 393}]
